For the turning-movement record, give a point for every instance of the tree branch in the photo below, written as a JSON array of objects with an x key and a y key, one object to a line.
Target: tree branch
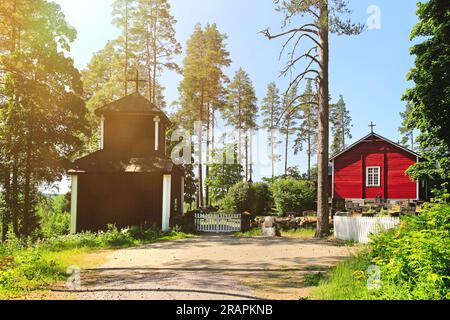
[{"x": 268, "y": 35}]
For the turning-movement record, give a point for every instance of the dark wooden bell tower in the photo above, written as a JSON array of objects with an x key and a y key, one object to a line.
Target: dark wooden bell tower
[{"x": 130, "y": 180}]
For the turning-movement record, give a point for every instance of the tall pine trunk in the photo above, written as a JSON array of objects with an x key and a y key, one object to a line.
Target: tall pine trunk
[
  {"x": 246, "y": 156},
  {"x": 208, "y": 146},
  {"x": 149, "y": 65},
  {"x": 323, "y": 223},
  {"x": 309, "y": 155},
  {"x": 272, "y": 147},
  {"x": 155, "y": 54},
  {"x": 126, "y": 47},
  {"x": 286, "y": 151},
  {"x": 200, "y": 142}
]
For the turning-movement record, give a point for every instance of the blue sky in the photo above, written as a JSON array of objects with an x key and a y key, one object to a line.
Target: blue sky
[{"x": 369, "y": 70}]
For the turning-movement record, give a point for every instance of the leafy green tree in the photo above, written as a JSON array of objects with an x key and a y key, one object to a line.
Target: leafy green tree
[
  {"x": 223, "y": 174},
  {"x": 312, "y": 21},
  {"x": 241, "y": 112},
  {"x": 341, "y": 122},
  {"x": 307, "y": 132},
  {"x": 429, "y": 99},
  {"x": 271, "y": 111},
  {"x": 42, "y": 112}
]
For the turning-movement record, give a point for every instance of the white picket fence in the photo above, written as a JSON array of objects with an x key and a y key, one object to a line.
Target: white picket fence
[
  {"x": 359, "y": 228},
  {"x": 217, "y": 222}
]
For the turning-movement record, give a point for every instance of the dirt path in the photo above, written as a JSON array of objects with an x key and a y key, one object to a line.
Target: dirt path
[{"x": 209, "y": 267}]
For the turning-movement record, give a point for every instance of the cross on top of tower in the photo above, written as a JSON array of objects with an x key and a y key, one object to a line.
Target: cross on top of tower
[
  {"x": 372, "y": 125},
  {"x": 136, "y": 80}
]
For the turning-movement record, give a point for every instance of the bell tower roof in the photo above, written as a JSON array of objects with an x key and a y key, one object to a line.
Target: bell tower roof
[{"x": 133, "y": 104}]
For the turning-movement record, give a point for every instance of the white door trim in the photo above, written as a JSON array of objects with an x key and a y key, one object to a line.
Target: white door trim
[
  {"x": 167, "y": 185},
  {"x": 73, "y": 205}
]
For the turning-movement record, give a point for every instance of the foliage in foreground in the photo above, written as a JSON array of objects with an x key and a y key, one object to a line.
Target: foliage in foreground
[
  {"x": 27, "y": 266},
  {"x": 414, "y": 260}
]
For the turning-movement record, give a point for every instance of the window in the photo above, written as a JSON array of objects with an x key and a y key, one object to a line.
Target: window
[{"x": 373, "y": 176}]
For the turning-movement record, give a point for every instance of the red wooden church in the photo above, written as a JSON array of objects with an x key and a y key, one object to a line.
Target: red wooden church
[
  {"x": 130, "y": 181},
  {"x": 374, "y": 167}
]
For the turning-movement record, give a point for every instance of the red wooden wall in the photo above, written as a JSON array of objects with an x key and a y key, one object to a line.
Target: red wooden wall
[{"x": 350, "y": 171}]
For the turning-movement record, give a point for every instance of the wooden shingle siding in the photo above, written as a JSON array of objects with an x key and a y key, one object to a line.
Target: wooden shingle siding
[{"x": 350, "y": 171}]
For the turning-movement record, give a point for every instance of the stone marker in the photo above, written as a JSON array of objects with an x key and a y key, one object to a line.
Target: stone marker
[{"x": 269, "y": 227}]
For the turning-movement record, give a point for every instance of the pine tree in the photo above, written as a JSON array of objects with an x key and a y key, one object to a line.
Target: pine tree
[
  {"x": 153, "y": 32},
  {"x": 307, "y": 132},
  {"x": 324, "y": 17},
  {"x": 341, "y": 122},
  {"x": 241, "y": 112},
  {"x": 405, "y": 130},
  {"x": 271, "y": 111},
  {"x": 289, "y": 123},
  {"x": 202, "y": 85}
]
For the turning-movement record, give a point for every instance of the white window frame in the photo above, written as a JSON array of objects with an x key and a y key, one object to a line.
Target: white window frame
[{"x": 368, "y": 184}]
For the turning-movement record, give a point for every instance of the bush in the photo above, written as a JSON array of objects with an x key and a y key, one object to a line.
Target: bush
[
  {"x": 416, "y": 256},
  {"x": 293, "y": 196},
  {"x": 414, "y": 261},
  {"x": 240, "y": 198},
  {"x": 254, "y": 198},
  {"x": 54, "y": 216},
  {"x": 263, "y": 198}
]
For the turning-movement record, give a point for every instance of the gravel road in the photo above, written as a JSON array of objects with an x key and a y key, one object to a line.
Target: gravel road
[{"x": 205, "y": 267}]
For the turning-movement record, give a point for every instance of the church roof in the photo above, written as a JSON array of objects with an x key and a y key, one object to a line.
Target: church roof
[
  {"x": 104, "y": 162},
  {"x": 370, "y": 135},
  {"x": 132, "y": 104}
]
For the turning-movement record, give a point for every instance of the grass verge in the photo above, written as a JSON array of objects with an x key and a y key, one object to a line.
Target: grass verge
[{"x": 26, "y": 266}]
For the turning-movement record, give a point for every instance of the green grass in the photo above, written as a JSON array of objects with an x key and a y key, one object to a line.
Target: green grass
[
  {"x": 27, "y": 267},
  {"x": 291, "y": 233},
  {"x": 345, "y": 282}
]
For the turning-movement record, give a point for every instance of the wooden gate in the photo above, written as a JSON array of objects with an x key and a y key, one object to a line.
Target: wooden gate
[{"x": 217, "y": 222}]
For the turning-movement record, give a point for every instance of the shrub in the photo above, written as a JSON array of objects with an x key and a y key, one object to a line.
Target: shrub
[
  {"x": 293, "y": 196},
  {"x": 416, "y": 256},
  {"x": 240, "y": 198},
  {"x": 413, "y": 258},
  {"x": 54, "y": 216},
  {"x": 263, "y": 198}
]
